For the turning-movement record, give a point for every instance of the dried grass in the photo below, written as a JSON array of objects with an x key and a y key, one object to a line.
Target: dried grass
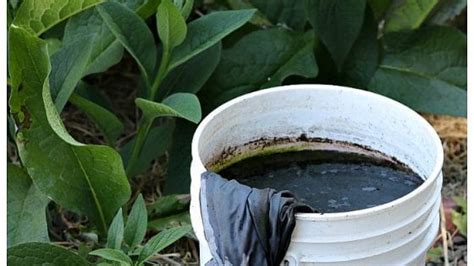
[{"x": 453, "y": 134}]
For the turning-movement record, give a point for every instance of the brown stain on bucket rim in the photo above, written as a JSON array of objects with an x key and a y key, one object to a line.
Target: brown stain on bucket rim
[{"x": 268, "y": 145}]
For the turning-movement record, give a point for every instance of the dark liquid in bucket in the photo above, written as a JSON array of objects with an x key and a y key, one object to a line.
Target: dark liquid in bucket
[{"x": 329, "y": 181}]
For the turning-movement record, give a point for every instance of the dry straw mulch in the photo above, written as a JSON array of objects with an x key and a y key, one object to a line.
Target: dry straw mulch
[{"x": 453, "y": 134}]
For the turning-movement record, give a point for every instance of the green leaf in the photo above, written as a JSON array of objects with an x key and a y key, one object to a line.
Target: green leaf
[
  {"x": 13, "y": 3},
  {"x": 112, "y": 255},
  {"x": 57, "y": 31},
  {"x": 178, "y": 178},
  {"x": 171, "y": 221},
  {"x": 229, "y": 94},
  {"x": 26, "y": 209},
  {"x": 301, "y": 63},
  {"x": 407, "y": 14},
  {"x": 379, "y": 7},
  {"x": 168, "y": 205},
  {"x": 363, "y": 59},
  {"x": 105, "y": 120},
  {"x": 435, "y": 254},
  {"x": 88, "y": 179},
  {"x": 115, "y": 233},
  {"x": 258, "y": 60},
  {"x": 426, "y": 70},
  {"x": 106, "y": 49},
  {"x": 53, "y": 45},
  {"x": 156, "y": 144},
  {"x": 9, "y": 16},
  {"x": 183, "y": 105},
  {"x": 187, "y": 9},
  {"x": 131, "y": 4},
  {"x": 202, "y": 66},
  {"x": 11, "y": 128},
  {"x": 161, "y": 241},
  {"x": 93, "y": 94},
  {"x": 460, "y": 221},
  {"x": 135, "y": 229},
  {"x": 43, "y": 254},
  {"x": 287, "y": 12},
  {"x": 446, "y": 10},
  {"x": 258, "y": 18},
  {"x": 148, "y": 8},
  {"x": 461, "y": 202},
  {"x": 37, "y": 16},
  {"x": 170, "y": 24},
  {"x": 35, "y": 67},
  {"x": 133, "y": 34},
  {"x": 460, "y": 218},
  {"x": 206, "y": 32},
  {"x": 67, "y": 68},
  {"x": 337, "y": 23}
]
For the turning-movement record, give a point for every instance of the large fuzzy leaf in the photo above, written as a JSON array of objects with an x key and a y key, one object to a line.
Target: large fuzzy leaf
[
  {"x": 407, "y": 14},
  {"x": 261, "y": 59},
  {"x": 363, "y": 59},
  {"x": 286, "y": 12},
  {"x": 43, "y": 254},
  {"x": 88, "y": 179},
  {"x": 178, "y": 178},
  {"x": 426, "y": 70},
  {"x": 106, "y": 49},
  {"x": 37, "y": 16},
  {"x": 133, "y": 34},
  {"x": 192, "y": 75},
  {"x": 207, "y": 31},
  {"x": 26, "y": 209},
  {"x": 67, "y": 67},
  {"x": 337, "y": 23}
]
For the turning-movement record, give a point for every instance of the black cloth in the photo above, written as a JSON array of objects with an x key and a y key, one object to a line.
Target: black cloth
[{"x": 244, "y": 225}]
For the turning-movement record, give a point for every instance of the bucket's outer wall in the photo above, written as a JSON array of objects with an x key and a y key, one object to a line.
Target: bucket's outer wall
[{"x": 398, "y": 232}]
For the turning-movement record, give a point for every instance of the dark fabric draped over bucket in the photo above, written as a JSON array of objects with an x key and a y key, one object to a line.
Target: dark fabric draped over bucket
[{"x": 244, "y": 225}]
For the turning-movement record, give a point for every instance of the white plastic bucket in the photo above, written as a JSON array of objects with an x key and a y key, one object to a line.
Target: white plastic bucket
[{"x": 399, "y": 232}]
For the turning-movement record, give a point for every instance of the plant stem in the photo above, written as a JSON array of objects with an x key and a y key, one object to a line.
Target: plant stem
[
  {"x": 161, "y": 73},
  {"x": 145, "y": 124},
  {"x": 143, "y": 127}
]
